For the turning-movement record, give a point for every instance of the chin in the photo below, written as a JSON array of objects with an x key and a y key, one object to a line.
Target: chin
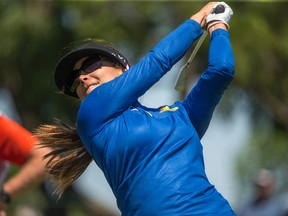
[{"x": 90, "y": 90}]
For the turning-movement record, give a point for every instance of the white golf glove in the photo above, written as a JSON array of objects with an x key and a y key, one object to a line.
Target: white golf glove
[{"x": 221, "y": 14}]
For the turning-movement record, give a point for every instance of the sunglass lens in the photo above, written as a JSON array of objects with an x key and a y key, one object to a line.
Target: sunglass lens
[
  {"x": 92, "y": 67},
  {"x": 91, "y": 64}
]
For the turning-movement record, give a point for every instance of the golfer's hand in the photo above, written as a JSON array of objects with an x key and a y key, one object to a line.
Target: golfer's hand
[
  {"x": 221, "y": 13},
  {"x": 200, "y": 16}
]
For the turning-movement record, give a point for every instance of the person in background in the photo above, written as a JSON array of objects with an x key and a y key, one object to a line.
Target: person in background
[
  {"x": 19, "y": 147},
  {"x": 151, "y": 157},
  {"x": 264, "y": 201}
]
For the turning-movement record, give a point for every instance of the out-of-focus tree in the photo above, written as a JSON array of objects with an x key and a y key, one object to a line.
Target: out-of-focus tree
[{"x": 261, "y": 54}]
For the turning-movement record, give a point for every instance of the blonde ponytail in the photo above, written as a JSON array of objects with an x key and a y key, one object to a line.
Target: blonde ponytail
[{"x": 68, "y": 159}]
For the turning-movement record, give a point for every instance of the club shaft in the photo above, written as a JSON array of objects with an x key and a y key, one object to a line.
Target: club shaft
[
  {"x": 180, "y": 81},
  {"x": 198, "y": 45}
]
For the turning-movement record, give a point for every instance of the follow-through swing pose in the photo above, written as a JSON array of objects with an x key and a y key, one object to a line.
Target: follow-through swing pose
[{"x": 151, "y": 157}]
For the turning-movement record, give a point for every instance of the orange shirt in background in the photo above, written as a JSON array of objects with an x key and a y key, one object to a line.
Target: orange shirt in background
[{"x": 16, "y": 142}]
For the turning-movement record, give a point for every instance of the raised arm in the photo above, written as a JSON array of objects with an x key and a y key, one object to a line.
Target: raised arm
[{"x": 202, "y": 100}]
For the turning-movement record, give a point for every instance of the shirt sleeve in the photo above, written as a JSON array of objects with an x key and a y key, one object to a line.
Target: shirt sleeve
[
  {"x": 16, "y": 142},
  {"x": 112, "y": 98},
  {"x": 206, "y": 94}
]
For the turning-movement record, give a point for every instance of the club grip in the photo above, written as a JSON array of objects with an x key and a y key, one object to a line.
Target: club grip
[{"x": 219, "y": 9}]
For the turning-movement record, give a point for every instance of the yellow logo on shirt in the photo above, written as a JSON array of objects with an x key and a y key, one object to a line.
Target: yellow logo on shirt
[{"x": 167, "y": 108}]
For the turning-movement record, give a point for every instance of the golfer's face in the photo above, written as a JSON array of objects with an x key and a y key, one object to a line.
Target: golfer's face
[
  {"x": 92, "y": 72},
  {"x": 88, "y": 82}
]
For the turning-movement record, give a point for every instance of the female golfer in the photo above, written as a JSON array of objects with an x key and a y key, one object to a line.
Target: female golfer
[{"x": 152, "y": 158}]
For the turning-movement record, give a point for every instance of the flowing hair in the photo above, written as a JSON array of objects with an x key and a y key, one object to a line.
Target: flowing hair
[{"x": 68, "y": 158}]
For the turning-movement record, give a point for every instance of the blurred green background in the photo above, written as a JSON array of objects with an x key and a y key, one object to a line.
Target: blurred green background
[{"x": 34, "y": 33}]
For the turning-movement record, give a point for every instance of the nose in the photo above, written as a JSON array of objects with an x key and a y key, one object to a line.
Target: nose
[{"x": 83, "y": 77}]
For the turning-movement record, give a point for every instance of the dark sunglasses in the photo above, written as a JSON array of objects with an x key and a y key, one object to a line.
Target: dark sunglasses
[{"x": 88, "y": 66}]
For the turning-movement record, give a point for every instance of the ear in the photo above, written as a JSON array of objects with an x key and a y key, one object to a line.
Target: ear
[{"x": 124, "y": 69}]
